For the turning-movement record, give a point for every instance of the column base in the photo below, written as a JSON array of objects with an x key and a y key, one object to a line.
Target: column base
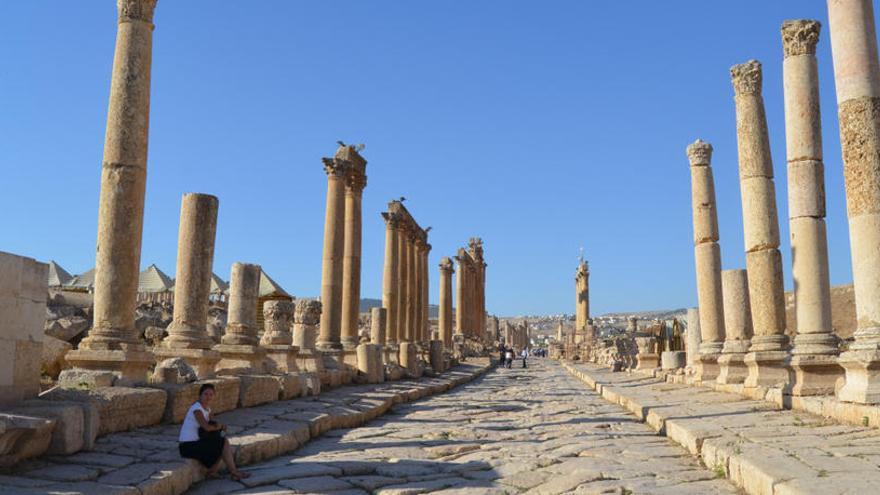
[
  {"x": 328, "y": 346},
  {"x": 706, "y": 367},
  {"x": 862, "y": 368},
  {"x": 767, "y": 368},
  {"x": 815, "y": 374},
  {"x": 350, "y": 358},
  {"x": 334, "y": 365},
  {"x": 129, "y": 367},
  {"x": 647, "y": 361},
  {"x": 281, "y": 358},
  {"x": 732, "y": 368},
  {"x": 671, "y": 360},
  {"x": 203, "y": 361},
  {"x": 762, "y": 343},
  {"x": 240, "y": 359},
  {"x": 815, "y": 344},
  {"x": 310, "y": 360}
]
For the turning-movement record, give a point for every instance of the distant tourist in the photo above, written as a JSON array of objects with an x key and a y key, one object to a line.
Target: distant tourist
[
  {"x": 205, "y": 440},
  {"x": 503, "y": 357},
  {"x": 524, "y": 354},
  {"x": 508, "y": 358}
]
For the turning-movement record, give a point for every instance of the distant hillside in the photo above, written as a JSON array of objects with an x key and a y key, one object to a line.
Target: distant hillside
[{"x": 368, "y": 304}]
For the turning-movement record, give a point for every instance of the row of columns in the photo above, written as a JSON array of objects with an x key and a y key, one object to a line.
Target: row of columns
[
  {"x": 742, "y": 312},
  {"x": 405, "y": 277},
  {"x": 516, "y": 335},
  {"x": 470, "y": 292}
]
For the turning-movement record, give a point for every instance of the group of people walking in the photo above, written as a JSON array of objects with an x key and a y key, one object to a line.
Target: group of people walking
[{"x": 507, "y": 355}]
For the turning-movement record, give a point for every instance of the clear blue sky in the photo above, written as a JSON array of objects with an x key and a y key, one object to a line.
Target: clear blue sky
[{"x": 540, "y": 126}]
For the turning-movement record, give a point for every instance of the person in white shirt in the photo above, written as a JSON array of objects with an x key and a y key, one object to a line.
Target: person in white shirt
[
  {"x": 205, "y": 440},
  {"x": 524, "y": 354}
]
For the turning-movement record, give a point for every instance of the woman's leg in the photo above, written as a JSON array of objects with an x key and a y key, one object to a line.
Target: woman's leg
[{"x": 230, "y": 462}]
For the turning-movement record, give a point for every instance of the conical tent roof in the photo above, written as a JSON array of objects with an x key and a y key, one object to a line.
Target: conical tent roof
[
  {"x": 269, "y": 287},
  {"x": 58, "y": 276},
  {"x": 85, "y": 280},
  {"x": 154, "y": 280},
  {"x": 218, "y": 286}
]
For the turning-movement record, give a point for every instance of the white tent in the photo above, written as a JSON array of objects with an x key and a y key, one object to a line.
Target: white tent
[
  {"x": 58, "y": 276},
  {"x": 154, "y": 280}
]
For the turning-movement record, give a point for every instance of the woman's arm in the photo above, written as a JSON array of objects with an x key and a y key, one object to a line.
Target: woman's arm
[{"x": 204, "y": 424}]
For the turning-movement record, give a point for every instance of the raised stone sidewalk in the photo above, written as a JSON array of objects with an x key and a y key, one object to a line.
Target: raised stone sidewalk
[
  {"x": 145, "y": 461},
  {"x": 760, "y": 448}
]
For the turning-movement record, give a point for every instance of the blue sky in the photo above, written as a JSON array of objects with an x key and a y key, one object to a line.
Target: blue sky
[{"x": 540, "y": 126}]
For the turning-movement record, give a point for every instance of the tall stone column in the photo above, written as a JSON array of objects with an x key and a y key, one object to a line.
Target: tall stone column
[
  {"x": 737, "y": 326},
  {"x": 814, "y": 353},
  {"x": 857, "y": 81},
  {"x": 426, "y": 326},
  {"x": 403, "y": 248},
  {"x": 445, "y": 315},
  {"x": 334, "y": 248},
  {"x": 411, "y": 289},
  {"x": 707, "y": 257},
  {"x": 187, "y": 334},
  {"x": 113, "y": 344},
  {"x": 378, "y": 317},
  {"x": 768, "y": 354},
  {"x": 419, "y": 245},
  {"x": 460, "y": 288},
  {"x": 239, "y": 346},
  {"x": 355, "y": 181},
  {"x": 390, "y": 283},
  {"x": 582, "y": 284}
]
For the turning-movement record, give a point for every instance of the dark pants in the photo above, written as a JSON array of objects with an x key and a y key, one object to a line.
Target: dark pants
[{"x": 524, "y": 363}]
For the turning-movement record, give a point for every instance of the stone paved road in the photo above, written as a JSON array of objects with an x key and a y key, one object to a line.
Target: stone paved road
[{"x": 537, "y": 430}]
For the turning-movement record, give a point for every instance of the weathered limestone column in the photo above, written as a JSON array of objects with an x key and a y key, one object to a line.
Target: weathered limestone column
[
  {"x": 707, "y": 257},
  {"x": 378, "y": 317},
  {"x": 355, "y": 181},
  {"x": 582, "y": 297},
  {"x": 403, "y": 249},
  {"x": 113, "y": 344},
  {"x": 276, "y": 339},
  {"x": 814, "y": 353},
  {"x": 692, "y": 342},
  {"x": 418, "y": 252},
  {"x": 306, "y": 318},
  {"x": 768, "y": 354},
  {"x": 445, "y": 313},
  {"x": 412, "y": 288},
  {"x": 560, "y": 331},
  {"x": 334, "y": 248},
  {"x": 426, "y": 325},
  {"x": 390, "y": 284},
  {"x": 239, "y": 346},
  {"x": 737, "y": 326},
  {"x": 187, "y": 334},
  {"x": 857, "y": 80},
  {"x": 460, "y": 295}
]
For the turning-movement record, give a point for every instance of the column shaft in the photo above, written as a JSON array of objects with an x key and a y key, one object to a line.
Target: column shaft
[
  {"x": 334, "y": 247},
  {"x": 244, "y": 290},
  {"x": 390, "y": 284},
  {"x": 403, "y": 292},
  {"x": 351, "y": 265},
  {"x": 411, "y": 290},
  {"x": 459, "y": 297},
  {"x": 445, "y": 315}
]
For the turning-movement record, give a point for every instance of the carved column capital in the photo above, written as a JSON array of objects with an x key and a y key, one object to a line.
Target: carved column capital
[
  {"x": 308, "y": 311},
  {"x": 746, "y": 78},
  {"x": 355, "y": 180},
  {"x": 335, "y": 167},
  {"x": 699, "y": 153},
  {"x": 136, "y": 10},
  {"x": 446, "y": 265},
  {"x": 392, "y": 220},
  {"x": 799, "y": 37}
]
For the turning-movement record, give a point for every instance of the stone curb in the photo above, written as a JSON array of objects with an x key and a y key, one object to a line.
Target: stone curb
[
  {"x": 753, "y": 467},
  {"x": 356, "y": 406}
]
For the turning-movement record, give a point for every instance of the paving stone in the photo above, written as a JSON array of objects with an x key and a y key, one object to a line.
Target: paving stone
[{"x": 315, "y": 484}]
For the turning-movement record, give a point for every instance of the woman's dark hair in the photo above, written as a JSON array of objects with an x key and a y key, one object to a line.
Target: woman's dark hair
[{"x": 207, "y": 386}]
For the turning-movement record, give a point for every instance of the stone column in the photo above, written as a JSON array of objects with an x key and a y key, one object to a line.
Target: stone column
[
  {"x": 306, "y": 318},
  {"x": 411, "y": 288},
  {"x": 403, "y": 249},
  {"x": 737, "y": 326},
  {"x": 445, "y": 315},
  {"x": 334, "y": 248},
  {"x": 390, "y": 282},
  {"x": 238, "y": 347},
  {"x": 857, "y": 80},
  {"x": 692, "y": 343},
  {"x": 277, "y": 339},
  {"x": 707, "y": 257},
  {"x": 426, "y": 325},
  {"x": 768, "y": 354},
  {"x": 814, "y": 353},
  {"x": 582, "y": 309},
  {"x": 460, "y": 288},
  {"x": 418, "y": 251},
  {"x": 187, "y": 334},
  {"x": 355, "y": 181},
  {"x": 113, "y": 344},
  {"x": 560, "y": 331},
  {"x": 378, "y": 324}
]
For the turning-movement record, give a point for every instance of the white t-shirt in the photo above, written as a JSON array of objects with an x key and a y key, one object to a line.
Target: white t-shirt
[{"x": 189, "y": 430}]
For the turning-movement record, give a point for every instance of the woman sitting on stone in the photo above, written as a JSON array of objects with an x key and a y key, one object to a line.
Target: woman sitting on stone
[{"x": 205, "y": 440}]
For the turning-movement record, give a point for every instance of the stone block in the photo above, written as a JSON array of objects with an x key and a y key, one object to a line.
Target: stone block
[
  {"x": 291, "y": 386},
  {"x": 23, "y": 437},
  {"x": 257, "y": 389},
  {"x": 53, "y": 353},
  {"x": 760, "y": 221},
  {"x": 68, "y": 435},
  {"x": 181, "y": 396},
  {"x": 118, "y": 408}
]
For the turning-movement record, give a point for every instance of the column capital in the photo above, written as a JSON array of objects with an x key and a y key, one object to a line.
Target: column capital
[
  {"x": 446, "y": 265},
  {"x": 355, "y": 180},
  {"x": 746, "y": 78},
  {"x": 392, "y": 220},
  {"x": 335, "y": 167},
  {"x": 800, "y": 36},
  {"x": 699, "y": 153},
  {"x": 307, "y": 311},
  {"x": 136, "y": 10}
]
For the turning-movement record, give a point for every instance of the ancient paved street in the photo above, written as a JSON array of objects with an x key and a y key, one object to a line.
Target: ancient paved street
[{"x": 537, "y": 430}]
